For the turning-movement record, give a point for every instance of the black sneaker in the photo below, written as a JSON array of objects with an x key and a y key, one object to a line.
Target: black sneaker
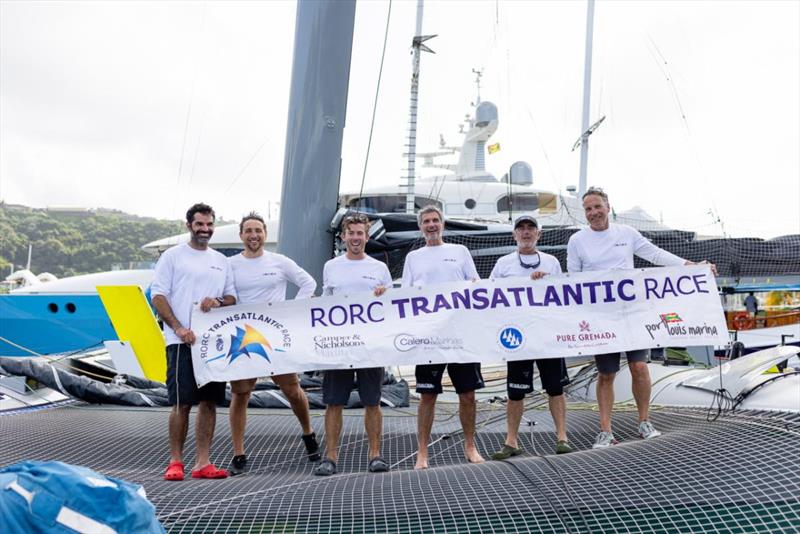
[
  {"x": 312, "y": 447},
  {"x": 238, "y": 465}
]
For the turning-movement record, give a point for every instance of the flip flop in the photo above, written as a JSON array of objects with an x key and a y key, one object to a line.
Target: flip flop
[
  {"x": 174, "y": 471},
  {"x": 325, "y": 468},
  {"x": 209, "y": 471},
  {"x": 377, "y": 465}
]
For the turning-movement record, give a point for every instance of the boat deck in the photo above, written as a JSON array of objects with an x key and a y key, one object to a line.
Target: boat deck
[{"x": 738, "y": 473}]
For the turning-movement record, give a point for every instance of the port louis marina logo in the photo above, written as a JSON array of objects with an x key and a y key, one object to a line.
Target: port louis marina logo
[
  {"x": 261, "y": 337},
  {"x": 673, "y": 325},
  {"x": 510, "y": 338},
  {"x": 585, "y": 336}
]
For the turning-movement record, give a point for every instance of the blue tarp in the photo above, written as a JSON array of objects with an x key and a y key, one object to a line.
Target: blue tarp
[{"x": 62, "y": 498}]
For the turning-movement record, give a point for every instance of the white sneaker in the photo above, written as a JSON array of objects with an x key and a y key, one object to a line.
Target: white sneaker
[
  {"x": 603, "y": 440},
  {"x": 647, "y": 430}
]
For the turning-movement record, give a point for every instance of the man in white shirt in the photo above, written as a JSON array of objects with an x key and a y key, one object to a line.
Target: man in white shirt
[
  {"x": 261, "y": 276},
  {"x": 604, "y": 246},
  {"x": 185, "y": 275},
  {"x": 527, "y": 261},
  {"x": 353, "y": 272},
  {"x": 435, "y": 263}
]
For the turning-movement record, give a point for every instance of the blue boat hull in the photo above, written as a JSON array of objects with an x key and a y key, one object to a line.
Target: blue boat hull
[{"x": 51, "y": 324}]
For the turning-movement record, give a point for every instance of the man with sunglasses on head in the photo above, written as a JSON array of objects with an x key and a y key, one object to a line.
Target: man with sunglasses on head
[
  {"x": 261, "y": 276},
  {"x": 349, "y": 273},
  {"x": 437, "y": 263},
  {"x": 529, "y": 262},
  {"x": 602, "y": 246}
]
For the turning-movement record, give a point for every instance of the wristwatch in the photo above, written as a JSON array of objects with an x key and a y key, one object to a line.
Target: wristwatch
[{"x": 221, "y": 300}]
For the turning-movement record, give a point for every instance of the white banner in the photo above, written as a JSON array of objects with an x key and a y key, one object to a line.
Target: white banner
[{"x": 575, "y": 314}]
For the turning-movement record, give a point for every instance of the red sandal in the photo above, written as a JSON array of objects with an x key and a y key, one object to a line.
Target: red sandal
[
  {"x": 174, "y": 471},
  {"x": 209, "y": 471}
]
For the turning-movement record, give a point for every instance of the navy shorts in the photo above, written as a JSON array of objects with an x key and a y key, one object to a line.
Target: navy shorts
[
  {"x": 338, "y": 383},
  {"x": 552, "y": 372},
  {"x": 181, "y": 386},
  {"x": 465, "y": 377},
  {"x": 609, "y": 363}
]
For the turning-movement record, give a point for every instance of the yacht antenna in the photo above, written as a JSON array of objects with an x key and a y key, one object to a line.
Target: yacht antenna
[
  {"x": 587, "y": 88},
  {"x": 478, "y": 76},
  {"x": 417, "y": 47}
]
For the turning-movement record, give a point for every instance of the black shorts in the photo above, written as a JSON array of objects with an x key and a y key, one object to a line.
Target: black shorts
[
  {"x": 465, "y": 377},
  {"x": 609, "y": 363},
  {"x": 338, "y": 383},
  {"x": 552, "y": 372},
  {"x": 181, "y": 385}
]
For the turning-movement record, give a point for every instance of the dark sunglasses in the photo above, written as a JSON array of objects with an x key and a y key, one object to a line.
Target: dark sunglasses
[{"x": 529, "y": 265}]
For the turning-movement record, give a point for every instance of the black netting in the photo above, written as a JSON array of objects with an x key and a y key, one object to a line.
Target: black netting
[{"x": 738, "y": 474}]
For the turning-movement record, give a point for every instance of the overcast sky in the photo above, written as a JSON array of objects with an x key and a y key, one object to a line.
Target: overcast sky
[{"x": 148, "y": 107}]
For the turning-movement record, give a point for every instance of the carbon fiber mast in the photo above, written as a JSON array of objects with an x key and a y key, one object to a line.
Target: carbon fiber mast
[{"x": 317, "y": 105}]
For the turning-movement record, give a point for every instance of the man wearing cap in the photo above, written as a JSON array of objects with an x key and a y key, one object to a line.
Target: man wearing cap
[
  {"x": 529, "y": 262},
  {"x": 353, "y": 272},
  {"x": 189, "y": 274},
  {"x": 436, "y": 263},
  {"x": 603, "y": 246},
  {"x": 261, "y": 276}
]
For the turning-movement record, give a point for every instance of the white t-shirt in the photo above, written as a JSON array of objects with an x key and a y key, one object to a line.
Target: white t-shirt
[
  {"x": 263, "y": 279},
  {"x": 438, "y": 264},
  {"x": 509, "y": 265},
  {"x": 185, "y": 276},
  {"x": 343, "y": 275},
  {"x": 613, "y": 248}
]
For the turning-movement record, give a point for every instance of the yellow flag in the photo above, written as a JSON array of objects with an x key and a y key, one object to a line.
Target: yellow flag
[{"x": 494, "y": 148}]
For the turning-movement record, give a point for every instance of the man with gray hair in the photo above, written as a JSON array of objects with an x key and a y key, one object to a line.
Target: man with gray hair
[
  {"x": 604, "y": 246},
  {"x": 436, "y": 263}
]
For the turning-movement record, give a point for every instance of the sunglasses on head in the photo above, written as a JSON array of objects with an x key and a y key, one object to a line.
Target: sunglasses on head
[{"x": 357, "y": 218}]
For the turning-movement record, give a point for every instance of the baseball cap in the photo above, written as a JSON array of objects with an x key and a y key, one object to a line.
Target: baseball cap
[{"x": 525, "y": 218}]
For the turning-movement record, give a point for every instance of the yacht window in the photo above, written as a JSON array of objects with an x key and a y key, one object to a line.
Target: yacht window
[
  {"x": 389, "y": 203},
  {"x": 521, "y": 202}
]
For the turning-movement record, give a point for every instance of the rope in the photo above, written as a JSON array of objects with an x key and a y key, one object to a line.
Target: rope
[{"x": 375, "y": 103}]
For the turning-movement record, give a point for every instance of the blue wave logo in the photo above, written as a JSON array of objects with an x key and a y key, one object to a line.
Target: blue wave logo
[{"x": 511, "y": 338}]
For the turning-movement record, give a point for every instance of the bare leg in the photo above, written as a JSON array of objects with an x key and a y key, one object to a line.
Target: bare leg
[
  {"x": 514, "y": 410},
  {"x": 299, "y": 403},
  {"x": 373, "y": 423},
  {"x": 333, "y": 429},
  {"x": 425, "y": 412},
  {"x": 178, "y": 428},
  {"x": 204, "y": 432},
  {"x": 466, "y": 412},
  {"x": 605, "y": 399},
  {"x": 558, "y": 409},
  {"x": 642, "y": 387},
  {"x": 237, "y": 415}
]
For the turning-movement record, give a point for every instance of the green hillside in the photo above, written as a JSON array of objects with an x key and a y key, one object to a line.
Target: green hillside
[{"x": 70, "y": 242}]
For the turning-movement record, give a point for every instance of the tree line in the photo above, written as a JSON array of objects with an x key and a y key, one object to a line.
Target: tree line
[{"x": 72, "y": 243}]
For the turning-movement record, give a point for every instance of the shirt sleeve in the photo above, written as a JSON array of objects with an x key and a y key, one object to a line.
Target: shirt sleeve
[
  {"x": 645, "y": 249},
  {"x": 555, "y": 268},
  {"x": 386, "y": 278},
  {"x": 299, "y": 277},
  {"x": 408, "y": 277},
  {"x": 470, "y": 272},
  {"x": 496, "y": 270},
  {"x": 162, "y": 281},
  {"x": 574, "y": 263},
  {"x": 230, "y": 287},
  {"x": 326, "y": 286}
]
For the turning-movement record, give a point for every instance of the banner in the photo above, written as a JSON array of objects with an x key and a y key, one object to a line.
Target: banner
[{"x": 575, "y": 314}]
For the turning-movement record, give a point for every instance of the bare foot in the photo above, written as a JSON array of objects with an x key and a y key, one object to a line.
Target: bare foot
[
  {"x": 473, "y": 456},
  {"x": 422, "y": 461}
]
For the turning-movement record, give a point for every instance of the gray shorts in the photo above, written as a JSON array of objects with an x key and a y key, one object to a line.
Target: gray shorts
[
  {"x": 609, "y": 363},
  {"x": 338, "y": 383}
]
